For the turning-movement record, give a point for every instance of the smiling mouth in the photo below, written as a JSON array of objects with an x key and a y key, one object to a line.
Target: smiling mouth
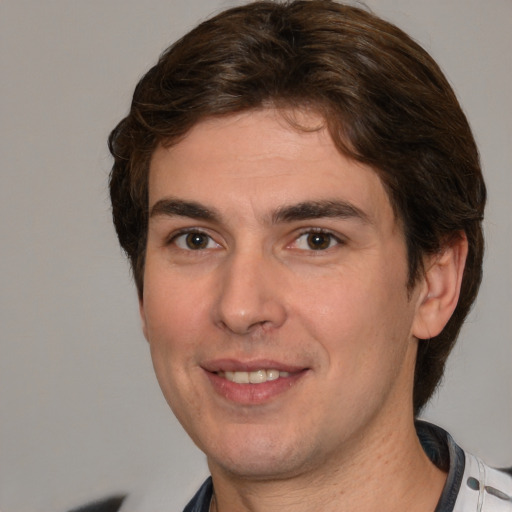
[
  {"x": 254, "y": 377},
  {"x": 252, "y": 383}
]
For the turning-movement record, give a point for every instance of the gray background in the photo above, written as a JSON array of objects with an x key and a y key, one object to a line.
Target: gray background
[{"x": 80, "y": 411}]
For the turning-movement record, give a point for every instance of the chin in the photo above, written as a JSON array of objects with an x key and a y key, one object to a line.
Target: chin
[
  {"x": 258, "y": 468},
  {"x": 258, "y": 457}
]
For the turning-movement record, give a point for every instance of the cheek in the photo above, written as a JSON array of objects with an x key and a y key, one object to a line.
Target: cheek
[
  {"x": 360, "y": 317},
  {"x": 173, "y": 309},
  {"x": 174, "y": 331},
  {"x": 337, "y": 304}
]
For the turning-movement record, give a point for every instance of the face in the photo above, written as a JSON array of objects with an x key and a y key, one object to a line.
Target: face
[{"x": 275, "y": 300}]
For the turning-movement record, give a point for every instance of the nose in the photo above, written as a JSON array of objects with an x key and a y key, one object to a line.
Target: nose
[{"x": 250, "y": 294}]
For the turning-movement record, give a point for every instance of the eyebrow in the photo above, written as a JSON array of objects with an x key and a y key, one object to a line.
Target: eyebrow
[
  {"x": 320, "y": 209},
  {"x": 305, "y": 210},
  {"x": 176, "y": 207}
]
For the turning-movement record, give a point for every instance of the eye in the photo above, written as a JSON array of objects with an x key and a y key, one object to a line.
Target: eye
[
  {"x": 316, "y": 241},
  {"x": 194, "y": 241}
]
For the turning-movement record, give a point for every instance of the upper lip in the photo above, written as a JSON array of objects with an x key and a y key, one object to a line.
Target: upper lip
[{"x": 234, "y": 365}]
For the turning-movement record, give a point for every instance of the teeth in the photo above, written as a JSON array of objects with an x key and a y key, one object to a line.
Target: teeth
[
  {"x": 256, "y": 377},
  {"x": 274, "y": 374}
]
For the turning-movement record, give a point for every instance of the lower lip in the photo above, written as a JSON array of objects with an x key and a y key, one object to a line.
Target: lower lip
[{"x": 253, "y": 394}]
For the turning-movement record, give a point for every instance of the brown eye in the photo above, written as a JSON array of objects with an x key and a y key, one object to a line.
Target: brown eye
[
  {"x": 195, "y": 241},
  {"x": 316, "y": 241},
  {"x": 319, "y": 241}
]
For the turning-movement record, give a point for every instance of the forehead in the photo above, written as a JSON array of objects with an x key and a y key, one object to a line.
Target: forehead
[{"x": 266, "y": 157}]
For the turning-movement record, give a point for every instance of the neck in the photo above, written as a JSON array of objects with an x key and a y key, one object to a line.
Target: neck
[{"x": 390, "y": 472}]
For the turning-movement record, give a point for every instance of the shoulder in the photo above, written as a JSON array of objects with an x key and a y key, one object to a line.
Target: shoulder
[
  {"x": 201, "y": 501},
  {"x": 471, "y": 485},
  {"x": 112, "y": 504},
  {"x": 484, "y": 488}
]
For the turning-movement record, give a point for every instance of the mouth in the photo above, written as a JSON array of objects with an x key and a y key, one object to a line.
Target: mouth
[
  {"x": 253, "y": 383},
  {"x": 253, "y": 377}
]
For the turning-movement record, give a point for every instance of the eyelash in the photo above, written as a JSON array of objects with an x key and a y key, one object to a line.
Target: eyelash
[
  {"x": 320, "y": 231},
  {"x": 189, "y": 231},
  {"x": 309, "y": 231}
]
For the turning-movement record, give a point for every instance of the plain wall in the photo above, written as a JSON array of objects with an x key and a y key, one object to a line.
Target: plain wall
[{"x": 81, "y": 414}]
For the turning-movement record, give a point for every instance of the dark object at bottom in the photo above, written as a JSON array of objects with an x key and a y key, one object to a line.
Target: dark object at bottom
[{"x": 112, "y": 504}]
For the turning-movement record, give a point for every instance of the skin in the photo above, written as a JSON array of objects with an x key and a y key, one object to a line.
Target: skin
[{"x": 240, "y": 275}]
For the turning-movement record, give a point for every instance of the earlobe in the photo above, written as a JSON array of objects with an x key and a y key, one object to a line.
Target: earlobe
[{"x": 441, "y": 288}]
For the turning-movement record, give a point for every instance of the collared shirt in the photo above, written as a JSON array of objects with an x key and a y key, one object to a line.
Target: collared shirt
[{"x": 471, "y": 486}]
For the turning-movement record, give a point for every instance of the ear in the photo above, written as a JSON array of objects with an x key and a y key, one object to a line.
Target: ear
[
  {"x": 143, "y": 319},
  {"x": 440, "y": 288}
]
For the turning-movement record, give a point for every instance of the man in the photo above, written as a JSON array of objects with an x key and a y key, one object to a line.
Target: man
[{"x": 300, "y": 198}]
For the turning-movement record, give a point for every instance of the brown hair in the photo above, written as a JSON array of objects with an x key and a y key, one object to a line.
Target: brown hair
[{"x": 385, "y": 102}]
